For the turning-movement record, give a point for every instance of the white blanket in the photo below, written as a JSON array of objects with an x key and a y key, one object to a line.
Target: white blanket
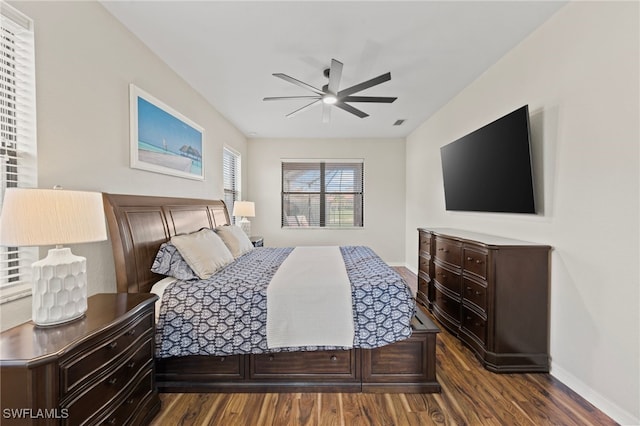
[{"x": 309, "y": 300}]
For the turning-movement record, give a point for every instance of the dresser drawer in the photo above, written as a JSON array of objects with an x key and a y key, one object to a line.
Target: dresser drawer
[
  {"x": 475, "y": 262},
  {"x": 475, "y": 293},
  {"x": 322, "y": 364},
  {"x": 88, "y": 362},
  {"x": 92, "y": 400},
  {"x": 448, "y": 251},
  {"x": 447, "y": 278},
  {"x": 447, "y": 305},
  {"x": 474, "y": 324},
  {"x": 423, "y": 264},
  {"x": 424, "y": 243}
]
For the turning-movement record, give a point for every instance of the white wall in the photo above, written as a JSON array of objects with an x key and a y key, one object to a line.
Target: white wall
[
  {"x": 383, "y": 198},
  {"x": 85, "y": 60},
  {"x": 579, "y": 74}
]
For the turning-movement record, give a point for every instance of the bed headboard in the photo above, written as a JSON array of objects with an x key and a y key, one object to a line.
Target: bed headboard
[{"x": 139, "y": 224}]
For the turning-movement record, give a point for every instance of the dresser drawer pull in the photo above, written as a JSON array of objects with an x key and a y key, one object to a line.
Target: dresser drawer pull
[
  {"x": 131, "y": 364},
  {"x": 113, "y": 345},
  {"x": 112, "y": 421},
  {"x": 271, "y": 357},
  {"x": 442, "y": 275},
  {"x": 131, "y": 332},
  {"x": 444, "y": 250},
  {"x": 130, "y": 401},
  {"x": 113, "y": 381},
  {"x": 471, "y": 259},
  {"x": 470, "y": 290},
  {"x": 333, "y": 358},
  {"x": 222, "y": 358}
]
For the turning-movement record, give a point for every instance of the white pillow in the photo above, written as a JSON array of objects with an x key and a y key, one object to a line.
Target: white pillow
[
  {"x": 203, "y": 251},
  {"x": 235, "y": 239}
]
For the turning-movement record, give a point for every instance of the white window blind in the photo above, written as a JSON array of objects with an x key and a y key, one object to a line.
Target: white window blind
[
  {"x": 18, "y": 163},
  {"x": 323, "y": 194},
  {"x": 231, "y": 178}
]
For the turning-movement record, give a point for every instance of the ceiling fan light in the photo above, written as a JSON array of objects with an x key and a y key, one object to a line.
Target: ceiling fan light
[{"x": 329, "y": 99}]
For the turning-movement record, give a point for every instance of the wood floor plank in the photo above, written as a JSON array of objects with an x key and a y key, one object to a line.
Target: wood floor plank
[{"x": 470, "y": 395}]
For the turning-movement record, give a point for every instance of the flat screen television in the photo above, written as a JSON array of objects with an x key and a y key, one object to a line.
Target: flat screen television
[{"x": 489, "y": 170}]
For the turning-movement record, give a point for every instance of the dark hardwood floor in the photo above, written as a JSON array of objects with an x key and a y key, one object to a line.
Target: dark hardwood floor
[{"x": 470, "y": 395}]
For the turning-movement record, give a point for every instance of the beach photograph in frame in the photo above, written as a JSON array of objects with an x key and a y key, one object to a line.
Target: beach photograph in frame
[{"x": 162, "y": 139}]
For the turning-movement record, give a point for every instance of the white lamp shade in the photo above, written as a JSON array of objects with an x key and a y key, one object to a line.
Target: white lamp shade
[
  {"x": 34, "y": 217},
  {"x": 244, "y": 208}
]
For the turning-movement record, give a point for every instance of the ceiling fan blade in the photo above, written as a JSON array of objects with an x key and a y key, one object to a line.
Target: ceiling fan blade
[
  {"x": 384, "y": 100},
  {"x": 326, "y": 113},
  {"x": 364, "y": 85},
  {"x": 284, "y": 98},
  {"x": 335, "y": 74},
  {"x": 298, "y": 83},
  {"x": 351, "y": 109},
  {"x": 304, "y": 108}
]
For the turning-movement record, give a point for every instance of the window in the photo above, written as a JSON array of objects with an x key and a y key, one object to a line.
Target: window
[
  {"x": 17, "y": 137},
  {"x": 322, "y": 194},
  {"x": 231, "y": 178}
]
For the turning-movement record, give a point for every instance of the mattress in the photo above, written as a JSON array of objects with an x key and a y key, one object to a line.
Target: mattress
[{"x": 227, "y": 313}]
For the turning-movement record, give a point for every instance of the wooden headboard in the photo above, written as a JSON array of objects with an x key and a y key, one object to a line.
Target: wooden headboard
[{"x": 139, "y": 224}]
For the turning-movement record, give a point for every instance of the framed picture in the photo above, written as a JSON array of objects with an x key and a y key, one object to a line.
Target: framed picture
[{"x": 162, "y": 139}]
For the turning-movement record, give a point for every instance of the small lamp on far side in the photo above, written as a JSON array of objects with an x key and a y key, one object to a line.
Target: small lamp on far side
[
  {"x": 244, "y": 209},
  {"x": 40, "y": 217}
]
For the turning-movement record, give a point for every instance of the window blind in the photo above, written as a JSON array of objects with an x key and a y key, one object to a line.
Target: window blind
[
  {"x": 323, "y": 194},
  {"x": 231, "y": 178},
  {"x": 18, "y": 162}
]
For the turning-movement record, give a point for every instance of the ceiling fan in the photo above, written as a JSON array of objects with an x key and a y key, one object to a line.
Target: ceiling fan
[{"x": 331, "y": 95}]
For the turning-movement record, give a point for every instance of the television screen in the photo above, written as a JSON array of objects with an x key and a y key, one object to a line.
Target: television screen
[{"x": 489, "y": 170}]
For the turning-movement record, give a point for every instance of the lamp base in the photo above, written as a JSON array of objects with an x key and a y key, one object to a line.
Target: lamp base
[
  {"x": 59, "y": 288},
  {"x": 245, "y": 225}
]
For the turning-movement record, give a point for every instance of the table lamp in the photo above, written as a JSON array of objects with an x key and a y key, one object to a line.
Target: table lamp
[
  {"x": 244, "y": 209},
  {"x": 40, "y": 217}
]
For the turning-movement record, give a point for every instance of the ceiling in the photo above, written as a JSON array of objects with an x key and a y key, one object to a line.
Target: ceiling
[{"x": 228, "y": 51}]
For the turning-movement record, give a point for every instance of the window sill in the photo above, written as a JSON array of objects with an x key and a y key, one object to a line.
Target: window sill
[
  {"x": 19, "y": 291},
  {"x": 333, "y": 228}
]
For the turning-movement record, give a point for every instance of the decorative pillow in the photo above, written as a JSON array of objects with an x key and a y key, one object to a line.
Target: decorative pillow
[
  {"x": 169, "y": 262},
  {"x": 235, "y": 239},
  {"x": 203, "y": 251}
]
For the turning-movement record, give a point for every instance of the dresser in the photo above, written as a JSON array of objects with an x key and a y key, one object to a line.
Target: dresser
[
  {"x": 491, "y": 292},
  {"x": 96, "y": 370}
]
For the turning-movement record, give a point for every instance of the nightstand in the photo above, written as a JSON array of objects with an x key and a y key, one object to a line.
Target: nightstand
[
  {"x": 257, "y": 241},
  {"x": 98, "y": 369}
]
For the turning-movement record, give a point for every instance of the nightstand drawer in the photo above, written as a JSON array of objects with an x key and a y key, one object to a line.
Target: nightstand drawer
[
  {"x": 90, "y": 402},
  {"x": 89, "y": 362},
  {"x": 126, "y": 411}
]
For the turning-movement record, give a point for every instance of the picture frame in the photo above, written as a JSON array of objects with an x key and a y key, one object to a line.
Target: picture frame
[{"x": 162, "y": 140}]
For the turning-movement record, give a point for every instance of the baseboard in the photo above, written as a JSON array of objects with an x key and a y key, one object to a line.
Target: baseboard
[{"x": 603, "y": 404}]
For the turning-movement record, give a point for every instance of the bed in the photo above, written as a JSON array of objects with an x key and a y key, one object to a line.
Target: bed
[{"x": 139, "y": 225}]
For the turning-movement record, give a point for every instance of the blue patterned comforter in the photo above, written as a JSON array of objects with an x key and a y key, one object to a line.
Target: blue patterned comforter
[{"x": 227, "y": 313}]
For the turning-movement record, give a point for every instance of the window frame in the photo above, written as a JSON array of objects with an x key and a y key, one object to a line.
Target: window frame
[
  {"x": 235, "y": 193},
  {"x": 18, "y": 147},
  {"x": 324, "y": 194}
]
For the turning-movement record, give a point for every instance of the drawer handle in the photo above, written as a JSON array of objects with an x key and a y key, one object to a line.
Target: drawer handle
[
  {"x": 444, "y": 250},
  {"x": 271, "y": 357},
  {"x": 222, "y": 358},
  {"x": 131, "y": 364},
  {"x": 113, "y": 345},
  {"x": 471, "y": 259},
  {"x": 477, "y": 293},
  {"x": 131, "y": 332},
  {"x": 112, "y": 421},
  {"x": 113, "y": 381},
  {"x": 333, "y": 358},
  {"x": 130, "y": 401}
]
